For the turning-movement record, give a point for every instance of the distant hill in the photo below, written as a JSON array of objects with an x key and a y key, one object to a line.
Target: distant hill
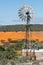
[{"x": 33, "y": 27}]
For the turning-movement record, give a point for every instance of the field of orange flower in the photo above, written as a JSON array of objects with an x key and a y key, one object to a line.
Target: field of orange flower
[{"x": 21, "y": 35}]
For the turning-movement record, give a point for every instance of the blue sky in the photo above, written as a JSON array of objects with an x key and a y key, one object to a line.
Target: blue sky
[{"x": 9, "y": 11}]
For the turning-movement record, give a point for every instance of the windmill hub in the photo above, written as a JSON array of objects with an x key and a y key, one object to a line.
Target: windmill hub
[{"x": 27, "y": 13}]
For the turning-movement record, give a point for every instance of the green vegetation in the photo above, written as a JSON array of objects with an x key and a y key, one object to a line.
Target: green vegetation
[
  {"x": 34, "y": 27},
  {"x": 8, "y": 52}
]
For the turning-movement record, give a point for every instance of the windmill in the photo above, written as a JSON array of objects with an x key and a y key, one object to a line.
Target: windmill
[{"x": 26, "y": 14}]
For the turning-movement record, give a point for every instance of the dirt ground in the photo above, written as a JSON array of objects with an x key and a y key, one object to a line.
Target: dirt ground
[{"x": 39, "y": 55}]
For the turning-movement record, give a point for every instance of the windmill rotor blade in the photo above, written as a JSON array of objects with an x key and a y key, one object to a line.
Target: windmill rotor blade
[
  {"x": 19, "y": 12},
  {"x": 20, "y": 15}
]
